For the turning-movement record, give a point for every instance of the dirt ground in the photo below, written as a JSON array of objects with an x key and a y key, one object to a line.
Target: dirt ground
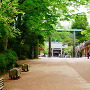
[{"x": 52, "y": 74}]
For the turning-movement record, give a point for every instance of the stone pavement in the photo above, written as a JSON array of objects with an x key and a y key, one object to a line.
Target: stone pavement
[{"x": 53, "y": 74}]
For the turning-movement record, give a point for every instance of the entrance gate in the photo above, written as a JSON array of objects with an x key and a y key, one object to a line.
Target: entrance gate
[{"x": 73, "y": 36}]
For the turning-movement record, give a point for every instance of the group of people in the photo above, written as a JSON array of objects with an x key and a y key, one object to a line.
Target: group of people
[{"x": 79, "y": 54}]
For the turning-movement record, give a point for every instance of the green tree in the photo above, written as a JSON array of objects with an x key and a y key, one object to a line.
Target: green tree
[
  {"x": 62, "y": 37},
  {"x": 80, "y": 23},
  {"x": 8, "y": 10},
  {"x": 69, "y": 50},
  {"x": 86, "y": 33},
  {"x": 36, "y": 23},
  {"x": 39, "y": 18}
]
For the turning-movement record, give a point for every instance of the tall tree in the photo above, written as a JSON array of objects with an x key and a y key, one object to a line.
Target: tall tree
[
  {"x": 39, "y": 18},
  {"x": 62, "y": 37},
  {"x": 86, "y": 33},
  {"x": 8, "y": 10},
  {"x": 80, "y": 23}
]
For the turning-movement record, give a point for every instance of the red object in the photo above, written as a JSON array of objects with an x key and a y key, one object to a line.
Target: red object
[
  {"x": 14, "y": 69},
  {"x": 40, "y": 48}
]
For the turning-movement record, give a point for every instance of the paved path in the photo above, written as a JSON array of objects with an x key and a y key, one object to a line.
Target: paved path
[{"x": 53, "y": 74}]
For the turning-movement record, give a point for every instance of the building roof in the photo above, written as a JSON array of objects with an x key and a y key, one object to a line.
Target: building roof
[
  {"x": 68, "y": 30},
  {"x": 58, "y": 45}
]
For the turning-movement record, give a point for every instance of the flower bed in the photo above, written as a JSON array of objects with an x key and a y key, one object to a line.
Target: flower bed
[
  {"x": 14, "y": 73},
  {"x": 25, "y": 67}
]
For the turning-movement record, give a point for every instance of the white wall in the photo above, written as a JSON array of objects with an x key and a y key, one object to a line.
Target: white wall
[{"x": 57, "y": 45}]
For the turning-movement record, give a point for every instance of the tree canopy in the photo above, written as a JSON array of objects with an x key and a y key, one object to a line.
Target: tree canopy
[
  {"x": 80, "y": 23},
  {"x": 86, "y": 33},
  {"x": 8, "y": 11},
  {"x": 26, "y": 23}
]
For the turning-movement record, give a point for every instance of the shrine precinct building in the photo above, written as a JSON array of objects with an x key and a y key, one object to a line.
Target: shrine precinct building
[{"x": 57, "y": 48}]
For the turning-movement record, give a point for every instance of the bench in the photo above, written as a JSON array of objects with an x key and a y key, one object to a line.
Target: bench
[
  {"x": 14, "y": 73},
  {"x": 1, "y": 83}
]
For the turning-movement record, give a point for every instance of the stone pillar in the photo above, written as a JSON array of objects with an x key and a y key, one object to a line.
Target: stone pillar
[
  {"x": 61, "y": 52},
  {"x": 52, "y": 52},
  {"x": 74, "y": 41}
]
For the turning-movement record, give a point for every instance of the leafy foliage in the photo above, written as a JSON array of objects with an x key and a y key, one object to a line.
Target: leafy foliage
[
  {"x": 7, "y": 60},
  {"x": 2, "y": 60},
  {"x": 80, "y": 23},
  {"x": 62, "y": 37},
  {"x": 8, "y": 10},
  {"x": 69, "y": 50},
  {"x": 24, "y": 25},
  {"x": 86, "y": 33}
]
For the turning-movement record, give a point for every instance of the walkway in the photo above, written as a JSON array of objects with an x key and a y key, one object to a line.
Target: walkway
[{"x": 53, "y": 74}]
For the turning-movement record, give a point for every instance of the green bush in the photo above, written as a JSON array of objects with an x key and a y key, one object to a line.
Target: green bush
[
  {"x": 3, "y": 64},
  {"x": 7, "y": 60},
  {"x": 2, "y": 60},
  {"x": 11, "y": 56}
]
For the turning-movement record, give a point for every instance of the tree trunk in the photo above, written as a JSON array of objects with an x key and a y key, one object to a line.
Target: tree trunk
[
  {"x": 36, "y": 51},
  {"x": 30, "y": 53},
  {"x": 5, "y": 43},
  {"x": 49, "y": 52}
]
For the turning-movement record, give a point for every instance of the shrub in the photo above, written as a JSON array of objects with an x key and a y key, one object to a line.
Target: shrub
[
  {"x": 2, "y": 60},
  {"x": 7, "y": 60},
  {"x": 2, "y": 63},
  {"x": 11, "y": 58}
]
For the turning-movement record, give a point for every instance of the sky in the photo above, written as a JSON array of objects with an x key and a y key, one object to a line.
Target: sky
[{"x": 81, "y": 9}]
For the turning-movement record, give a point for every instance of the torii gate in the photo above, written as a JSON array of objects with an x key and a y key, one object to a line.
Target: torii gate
[{"x": 74, "y": 39}]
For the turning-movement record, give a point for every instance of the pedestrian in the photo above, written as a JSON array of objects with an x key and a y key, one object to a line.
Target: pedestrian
[
  {"x": 88, "y": 54},
  {"x": 80, "y": 54},
  {"x": 65, "y": 55},
  {"x": 59, "y": 55}
]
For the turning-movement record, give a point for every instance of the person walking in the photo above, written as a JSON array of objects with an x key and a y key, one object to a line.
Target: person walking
[{"x": 88, "y": 54}]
